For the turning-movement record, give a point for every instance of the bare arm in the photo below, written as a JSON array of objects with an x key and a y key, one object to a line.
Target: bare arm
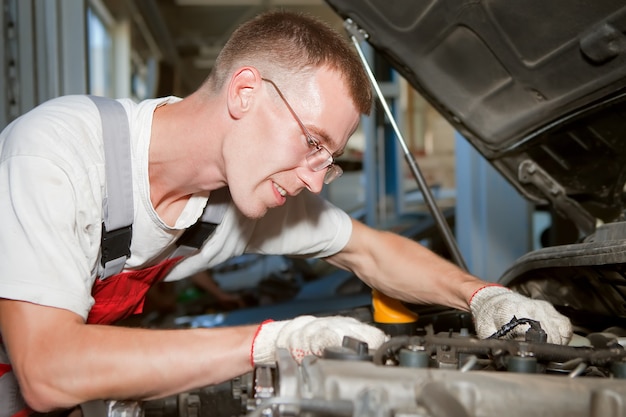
[
  {"x": 206, "y": 282},
  {"x": 60, "y": 361},
  {"x": 404, "y": 269}
]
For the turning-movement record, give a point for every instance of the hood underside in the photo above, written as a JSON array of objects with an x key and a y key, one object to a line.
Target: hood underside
[{"x": 538, "y": 88}]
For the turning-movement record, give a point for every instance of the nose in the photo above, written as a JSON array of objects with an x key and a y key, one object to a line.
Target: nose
[{"x": 314, "y": 181}]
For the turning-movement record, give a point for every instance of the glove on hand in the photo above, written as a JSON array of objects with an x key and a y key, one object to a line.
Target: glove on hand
[
  {"x": 494, "y": 306},
  {"x": 309, "y": 335}
]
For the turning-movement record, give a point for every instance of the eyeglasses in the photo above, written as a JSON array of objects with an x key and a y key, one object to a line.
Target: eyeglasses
[{"x": 319, "y": 158}]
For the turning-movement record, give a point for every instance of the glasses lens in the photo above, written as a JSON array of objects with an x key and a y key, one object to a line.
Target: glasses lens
[
  {"x": 319, "y": 158},
  {"x": 332, "y": 174}
]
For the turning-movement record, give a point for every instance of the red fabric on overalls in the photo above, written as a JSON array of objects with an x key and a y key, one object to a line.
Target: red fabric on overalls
[
  {"x": 120, "y": 296},
  {"x": 4, "y": 368}
]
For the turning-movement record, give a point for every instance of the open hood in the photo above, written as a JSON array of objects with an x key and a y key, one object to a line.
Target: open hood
[{"x": 538, "y": 88}]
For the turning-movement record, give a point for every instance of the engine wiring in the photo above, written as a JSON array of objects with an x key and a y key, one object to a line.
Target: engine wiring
[{"x": 535, "y": 326}]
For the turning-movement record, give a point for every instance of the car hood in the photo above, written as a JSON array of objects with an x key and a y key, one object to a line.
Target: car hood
[{"x": 538, "y": 88}]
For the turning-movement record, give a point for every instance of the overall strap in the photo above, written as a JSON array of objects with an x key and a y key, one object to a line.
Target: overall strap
[
  {"x": 197, "y": 234},
  {"x": 118, "y": 202}
]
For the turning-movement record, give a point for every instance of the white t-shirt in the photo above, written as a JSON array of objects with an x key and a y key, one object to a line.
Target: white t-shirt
[{"x": 52, "y": 183}]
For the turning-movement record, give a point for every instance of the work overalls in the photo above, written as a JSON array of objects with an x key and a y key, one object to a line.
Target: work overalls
[{"x": 118, "y": 294}]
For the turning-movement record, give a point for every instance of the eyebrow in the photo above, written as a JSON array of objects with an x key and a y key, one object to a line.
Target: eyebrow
[
  {"x": 328, "y": 141},
  {"x": 324, "y": 138}
]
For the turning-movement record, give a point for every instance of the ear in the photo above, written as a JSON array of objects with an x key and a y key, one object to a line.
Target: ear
[{"x": 243, "y": 86}]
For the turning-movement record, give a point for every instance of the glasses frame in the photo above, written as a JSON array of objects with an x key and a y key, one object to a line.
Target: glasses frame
[{"x": 333, "y": 171}]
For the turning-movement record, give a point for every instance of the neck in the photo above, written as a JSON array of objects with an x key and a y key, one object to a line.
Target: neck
[{"x": 184, "y": 155}]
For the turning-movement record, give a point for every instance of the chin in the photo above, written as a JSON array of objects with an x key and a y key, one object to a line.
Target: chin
[
  {"x": 255, "y": 215},
  {"x": 251, "y": 203},
  {"x": 252, "y": 211}
]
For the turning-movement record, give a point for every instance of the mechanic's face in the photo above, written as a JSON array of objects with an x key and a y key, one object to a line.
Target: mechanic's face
[{"x": 295, "y": 139}]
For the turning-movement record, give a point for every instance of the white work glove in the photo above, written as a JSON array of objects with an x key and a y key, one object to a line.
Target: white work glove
[
  {"x": 493, "y": 306},
  {"x": 309, "y": 335}
]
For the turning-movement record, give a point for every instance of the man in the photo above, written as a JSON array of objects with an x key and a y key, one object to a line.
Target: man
[{"x": 280, "y": 105}]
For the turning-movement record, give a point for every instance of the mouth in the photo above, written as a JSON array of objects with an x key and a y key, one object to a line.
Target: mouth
[{"x": 280, "y": 189}]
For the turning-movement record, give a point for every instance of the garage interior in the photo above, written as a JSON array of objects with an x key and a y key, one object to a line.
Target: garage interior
[{"x": 152, "y": 48}]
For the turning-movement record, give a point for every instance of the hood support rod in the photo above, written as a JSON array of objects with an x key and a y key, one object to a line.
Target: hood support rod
[{"x": 356, "y": 35}]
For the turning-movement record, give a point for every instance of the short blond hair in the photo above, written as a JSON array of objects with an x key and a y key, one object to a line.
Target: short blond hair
[{"x": 283, "y": 43}]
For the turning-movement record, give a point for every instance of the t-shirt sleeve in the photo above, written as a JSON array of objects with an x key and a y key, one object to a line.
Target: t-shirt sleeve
[
  {"x": 306, "y": 225},
  {"x": 49, "y": 222},
  {"x": 42, "y": 261}
]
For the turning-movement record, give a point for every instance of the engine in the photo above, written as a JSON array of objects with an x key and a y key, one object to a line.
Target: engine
[{"x": 443, "y": 374}]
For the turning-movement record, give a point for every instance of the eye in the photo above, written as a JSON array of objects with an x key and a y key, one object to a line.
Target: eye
[{"x": 314, "y": 143}]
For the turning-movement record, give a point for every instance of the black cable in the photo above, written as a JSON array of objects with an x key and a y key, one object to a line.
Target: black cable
[{"x": 510, "y": 326}]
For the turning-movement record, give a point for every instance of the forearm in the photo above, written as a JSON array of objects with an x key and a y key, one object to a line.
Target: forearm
[
  {"x": 61, "y": 362},
  {"x": 146, "y": 364},
  {"x": 205, "y": 281},
  {"x": 405, "y": 270},
  {"x": 414, "y": 274}
]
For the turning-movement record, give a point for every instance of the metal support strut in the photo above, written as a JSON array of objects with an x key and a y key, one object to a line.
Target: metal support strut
[{"x": 356, "y": 35}]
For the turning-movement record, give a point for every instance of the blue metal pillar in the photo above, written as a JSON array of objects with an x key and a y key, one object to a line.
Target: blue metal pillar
[
  {"x": 493, "y": 221},
  {"x": 382, "y": 162}
]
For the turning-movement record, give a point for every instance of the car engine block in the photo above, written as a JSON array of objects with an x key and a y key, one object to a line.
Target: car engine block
[{"x": 451, "y": 374}]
